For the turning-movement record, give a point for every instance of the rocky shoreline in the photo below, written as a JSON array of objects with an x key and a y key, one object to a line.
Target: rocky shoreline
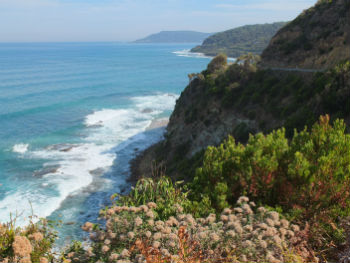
[{"x": 142, "y": 165}]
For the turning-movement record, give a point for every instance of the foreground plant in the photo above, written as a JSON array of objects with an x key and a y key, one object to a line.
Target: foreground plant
[
  {"x": 31, "y": 244},
  {"x": 242, "y": 234}
]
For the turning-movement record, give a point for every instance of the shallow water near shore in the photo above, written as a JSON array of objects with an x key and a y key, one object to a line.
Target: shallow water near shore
[{"x": 72, "y": 116}]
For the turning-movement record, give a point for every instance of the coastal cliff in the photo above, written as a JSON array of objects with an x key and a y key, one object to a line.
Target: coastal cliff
[{"x": 248, "y": 97}]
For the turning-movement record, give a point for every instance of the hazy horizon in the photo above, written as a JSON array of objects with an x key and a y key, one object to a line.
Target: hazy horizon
[{"x": 128, "y": 20}]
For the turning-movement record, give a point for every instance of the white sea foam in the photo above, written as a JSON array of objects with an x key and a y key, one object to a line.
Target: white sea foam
[
  {"x": 189, "y": 54},
  {"x": 20, "y": 148},
  {"x": 158, "y": 103},
  {"x": 106, "y": 129}
]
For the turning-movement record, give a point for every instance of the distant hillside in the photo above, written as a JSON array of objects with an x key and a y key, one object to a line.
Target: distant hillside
[
  {"x": 175, "y": 37},
  {"x": 318, "y": 38},
  {"x": 239, "y": 41}
]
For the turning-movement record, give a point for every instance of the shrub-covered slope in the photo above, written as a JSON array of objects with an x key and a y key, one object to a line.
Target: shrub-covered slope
[
  {"x": 318, "y": 38},
  {"x": 239, "y": 41},
  {"x": 238, "y": 100}
]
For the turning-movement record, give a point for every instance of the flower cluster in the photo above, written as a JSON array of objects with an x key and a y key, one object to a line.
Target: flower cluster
[
  {"x": 241, "y": 234},
  {"x": 31, "y": 244}
]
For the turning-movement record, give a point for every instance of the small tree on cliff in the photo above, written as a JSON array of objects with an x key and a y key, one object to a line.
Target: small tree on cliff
[
  {"x": 249, "y": 60},
  {"x": 218, "y": 63}
]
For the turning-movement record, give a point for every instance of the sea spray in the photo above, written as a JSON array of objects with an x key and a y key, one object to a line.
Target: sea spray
[
  {"x": 188, "y": 54},
  {"x": 20, "y": 148}
]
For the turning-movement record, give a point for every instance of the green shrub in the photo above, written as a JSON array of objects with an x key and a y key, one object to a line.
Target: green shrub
[
  {"x": 217, "y": 63},
  {"x": 310, "y": 173},
  {"x": 167, "y": 195}
]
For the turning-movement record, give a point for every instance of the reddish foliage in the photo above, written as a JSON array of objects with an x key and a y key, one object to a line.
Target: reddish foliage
[{"x": 151, "y": 254}]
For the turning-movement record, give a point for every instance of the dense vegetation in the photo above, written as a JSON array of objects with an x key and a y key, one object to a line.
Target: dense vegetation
[
  {"x": 242, "y": 234},
  {"x": 301, "y": 187},
  {"x": 293, "y": 99},
  {"x": 175, "y": 37},
  {"x": 239, "y": 41},
  {"x": 308, "y": 176},
  {"x": 264, "y": 99}
]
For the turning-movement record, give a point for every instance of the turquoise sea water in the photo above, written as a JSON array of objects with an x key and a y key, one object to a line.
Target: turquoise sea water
[{"x": 72, "y": 115}]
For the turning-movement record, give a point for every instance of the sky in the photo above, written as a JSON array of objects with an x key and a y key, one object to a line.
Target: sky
[{"x": 127, "y": 20}]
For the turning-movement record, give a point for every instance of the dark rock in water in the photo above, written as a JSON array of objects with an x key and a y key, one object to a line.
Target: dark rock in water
[
  {"x": 70, "y": 223},
  {"x": 97, "y": 171},
  {"x": 64, "y": 147},
  {"x": 67, "y": 149},
  {"x": 147, "y": 110},
  {"x": 46, "y": 170},
  {"x": 96, "y": 125}
]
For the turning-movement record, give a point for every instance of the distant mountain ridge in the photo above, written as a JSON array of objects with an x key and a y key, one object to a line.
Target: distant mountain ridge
[
  {"x": 175, "y": 37},
  {"x": 241, "y": 40}
]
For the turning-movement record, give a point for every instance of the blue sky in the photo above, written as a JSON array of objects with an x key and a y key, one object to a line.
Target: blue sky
[{"x": 125, "y": 20}]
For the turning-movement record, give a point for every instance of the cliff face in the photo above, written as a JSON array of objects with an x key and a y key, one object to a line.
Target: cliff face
[
  {"x": 197, "y": 123},
  {"x": 317, "y": 39}
]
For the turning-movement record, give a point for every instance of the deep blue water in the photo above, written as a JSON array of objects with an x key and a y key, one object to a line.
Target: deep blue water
[{"x": 72, "y": 115}]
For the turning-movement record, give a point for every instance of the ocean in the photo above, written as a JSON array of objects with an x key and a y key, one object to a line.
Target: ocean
[{"x": 72, "y": 116}]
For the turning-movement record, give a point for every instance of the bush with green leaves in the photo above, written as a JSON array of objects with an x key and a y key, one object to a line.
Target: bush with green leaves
[
  {"x": 167, "y": 195},
  {"x": 307, "y": 176},
  {"x": 217, "y": 63}
]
